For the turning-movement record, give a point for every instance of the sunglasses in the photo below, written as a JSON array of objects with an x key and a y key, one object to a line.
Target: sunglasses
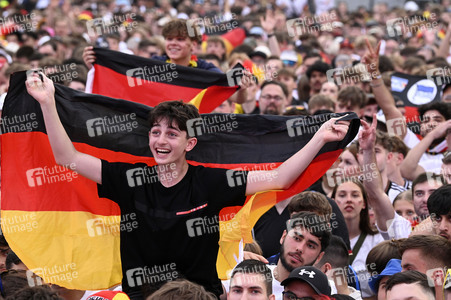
[{"x": 288, "y": 62}]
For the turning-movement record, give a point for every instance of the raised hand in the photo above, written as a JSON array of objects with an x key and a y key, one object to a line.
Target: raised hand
[
  {"x": 371, "y": 59},
  {"x": 89, "y": 56},
  {"x": 43, "y": 91},
  {"x": 440, "y": 131},
  {"x": 367, "y": 136},
  {"x": 269, "y": 22},
  {"x": 333, "y": 130}
]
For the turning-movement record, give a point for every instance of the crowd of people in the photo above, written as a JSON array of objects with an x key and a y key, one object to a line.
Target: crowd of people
[{"x": 377, "y": 225}]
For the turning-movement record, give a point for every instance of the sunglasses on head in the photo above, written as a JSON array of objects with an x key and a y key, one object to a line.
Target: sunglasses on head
[{"x": 289, "y": 62}]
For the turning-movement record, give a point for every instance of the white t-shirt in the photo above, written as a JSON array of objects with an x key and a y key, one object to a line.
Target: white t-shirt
[
  {"x": 277, "y": 289},
  {"x": 399, "y": 228},
  {"x": 429, "y": 162}
]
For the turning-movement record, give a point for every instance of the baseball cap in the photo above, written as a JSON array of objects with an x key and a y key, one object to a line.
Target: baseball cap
[
  {"x": 311, "y": 275},
  {"x": 256, "y": 31},
  {"x": 262, "y": 51},
  {"x": 393, "y": 267},
  {"x": 108, "y": 295}
]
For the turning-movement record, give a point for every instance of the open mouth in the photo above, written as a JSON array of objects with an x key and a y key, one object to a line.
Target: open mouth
[{"x": 162, "y": 151}]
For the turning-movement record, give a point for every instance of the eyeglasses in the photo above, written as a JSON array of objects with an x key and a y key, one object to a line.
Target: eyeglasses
[
  {"x": 269, "y": 97},
  {"x": 291, "y": 296},
  {"x": 290, "y": 63}
]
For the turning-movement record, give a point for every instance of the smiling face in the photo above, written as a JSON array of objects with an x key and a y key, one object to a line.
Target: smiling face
[
  {"x": 168, "y": 143},
  {"x": 349, "y": 199},
  {"x": 179, "y": 49}
]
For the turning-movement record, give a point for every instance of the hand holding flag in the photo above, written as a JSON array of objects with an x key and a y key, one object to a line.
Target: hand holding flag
[{"x": 40, "y": 87}]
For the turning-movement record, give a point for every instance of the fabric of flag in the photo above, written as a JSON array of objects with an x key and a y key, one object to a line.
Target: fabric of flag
[
  {"x": 416, "y": 90},
  {"x": 231, "y": 38},
  {"x": 53, "y": 218},
  {"x": 148, "y": 81}
]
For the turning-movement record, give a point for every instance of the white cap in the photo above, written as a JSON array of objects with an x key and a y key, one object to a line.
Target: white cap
[
  {"x": 263, "y": 49},
  {"x": 411, "y": 6}
]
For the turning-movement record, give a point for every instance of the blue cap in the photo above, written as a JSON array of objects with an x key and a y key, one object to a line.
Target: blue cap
[{"x": 393, "y": 267}]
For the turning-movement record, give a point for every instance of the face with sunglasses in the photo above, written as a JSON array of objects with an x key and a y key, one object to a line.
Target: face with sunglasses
[{"x": 299, "y": 290}]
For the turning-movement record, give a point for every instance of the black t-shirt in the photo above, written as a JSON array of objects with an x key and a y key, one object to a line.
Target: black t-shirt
[
  {"x": 176, "y": 230},
  {"x": 269, "y": 228}
]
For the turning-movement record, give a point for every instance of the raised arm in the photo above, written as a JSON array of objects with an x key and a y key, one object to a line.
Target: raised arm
[
  {"x": 409, "y": 167},
  {"x": 269, "y": 24},
  {"x": 63, "y": 150},
  {"x": 377, "y": 198},
  {"x": 382, "y": 94},
  {"x": 443, "y": 50},
  {"x": 284, "y": 176}
]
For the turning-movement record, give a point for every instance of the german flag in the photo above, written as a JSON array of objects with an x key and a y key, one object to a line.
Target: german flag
[
  {"x": 59, "y": 227},
  {"x": 232, "y": 38},
  {"x": 150, "y": 82}
]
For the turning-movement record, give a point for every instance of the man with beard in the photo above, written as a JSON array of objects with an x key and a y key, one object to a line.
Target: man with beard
[
  {"x": 426, "y": 155},
  {"x": 316, "y": 75},
  {"x": 439, "y": 207},
  {"x": 273, "y": 97},
  {"x": 302, "y": 243},
  {"x": 422, "y": 188}
]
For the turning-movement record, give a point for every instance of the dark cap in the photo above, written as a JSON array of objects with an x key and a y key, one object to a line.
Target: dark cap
[{"x": 311, "y": 275}]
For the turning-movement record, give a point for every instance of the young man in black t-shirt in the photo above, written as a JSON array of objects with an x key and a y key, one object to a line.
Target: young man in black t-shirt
[{"x": 175, "y": 198}]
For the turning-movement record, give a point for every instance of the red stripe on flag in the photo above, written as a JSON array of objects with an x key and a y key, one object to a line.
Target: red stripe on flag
[
  {"x": 314, "y": 171},
  {"x": 112, "y": 84}
]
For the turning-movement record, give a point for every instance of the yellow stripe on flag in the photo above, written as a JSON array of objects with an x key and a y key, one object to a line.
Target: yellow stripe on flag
[
  {"x": 42, "y": 237},
  {"x": 197, "y": 100},
  {"x": 240, "y": 227}
]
